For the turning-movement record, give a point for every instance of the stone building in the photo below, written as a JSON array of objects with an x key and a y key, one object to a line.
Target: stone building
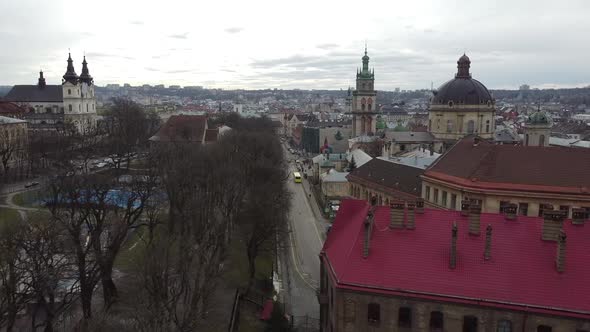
[
  {"x": 537, "y": 130},
  {"x": 364, "y": 101},
  {"x": 13, "y": 142},
  {"x": 72, "y": 102},
  {"x": 534, "y": 178},
  {"x": 386, "y": 181},
  {"x": 461, "y": 106},
  {"x": 409, "y": 269}
]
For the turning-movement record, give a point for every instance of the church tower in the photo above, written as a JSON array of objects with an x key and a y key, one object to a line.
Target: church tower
[
  {"x": 364, "y": 101},
  {"x": 537, "y": 129},
  {"x": 71, "y": 92},
  {"x": 78, "y": 97},
  {"x": 88, "y": 99}
]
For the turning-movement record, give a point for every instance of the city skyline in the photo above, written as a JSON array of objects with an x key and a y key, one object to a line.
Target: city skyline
[{"x": 313, "y": 45}]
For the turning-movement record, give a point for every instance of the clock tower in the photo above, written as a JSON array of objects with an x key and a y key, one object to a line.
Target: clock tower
[{"x": 364, "y": 97}]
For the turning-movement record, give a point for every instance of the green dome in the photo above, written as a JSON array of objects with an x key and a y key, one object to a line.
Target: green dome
[{"x": 539, "y": 117}]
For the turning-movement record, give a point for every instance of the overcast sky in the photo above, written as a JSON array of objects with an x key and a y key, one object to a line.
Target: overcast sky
[{"x": 297, "y": 44}]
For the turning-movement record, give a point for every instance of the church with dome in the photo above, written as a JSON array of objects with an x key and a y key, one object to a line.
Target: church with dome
[{"x": 462, "y": 106}]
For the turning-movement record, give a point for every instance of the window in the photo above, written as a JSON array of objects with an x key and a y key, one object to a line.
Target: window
[
  {"x": 404, "y": 317},
  {"x": 69, "y": 91},
  {"x": 86, "y": 108},
  {"x": 370, "y": 107},
  {"x": 453, "y": 201},
  {"x": 444, "y": 198},
  {"x": 438, "y": 124},
  {"x": 429, "y": 125},
  {"x": 487, "y": 126},
  {"x": 427, "y": 193},
  {"x": 402, "y": 147},
  {"x": 436, "y": 321},
  {"x": 362, "y": 107},
  {"x": 470, "y": 127},
  {"x": 504, "y": 326},
  {"x": 70, "y": 107},
  {"x": 436, "y": 195},
  {"x": 565, "y": 208},
  {"x": 523, "y": 209},
  {"x": 542, "y": 140},
  {"x": 526, "y": 139},
  {"x": 503, "y": 205},
  {"x": 543, "y": 207},
  {"x": 544, "y": 328},
  {"x": 469, "y": 324},
  {"x": 449, "y": 126},
  {"x": 374, "y": 313}
]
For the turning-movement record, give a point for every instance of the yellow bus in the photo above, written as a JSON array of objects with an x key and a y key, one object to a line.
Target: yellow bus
[{"x": 297, "y": 177}]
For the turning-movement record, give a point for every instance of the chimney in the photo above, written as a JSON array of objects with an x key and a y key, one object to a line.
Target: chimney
[
  {"x": 560, "y": 259},
  {"x": 510, "y": 211},
  {"x": 410, "y": 219},
  {"x": 487, "y": 254},
  {"x": 465, "y": 207},
  {"x": 453, "y": 258},
  {"x": 397, "y": 214},
  {"x": 474, "y": 218},
  {"x": 420, "y": 205},
  {"x": 579, "y": 216},
  {"x": 552, "y": 224}
]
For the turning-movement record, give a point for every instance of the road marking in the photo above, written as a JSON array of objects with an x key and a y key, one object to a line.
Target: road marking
[{"x": 296, "y": 263}]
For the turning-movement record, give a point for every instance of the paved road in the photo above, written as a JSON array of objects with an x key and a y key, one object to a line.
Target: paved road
[{"x": 307, "y": 234}]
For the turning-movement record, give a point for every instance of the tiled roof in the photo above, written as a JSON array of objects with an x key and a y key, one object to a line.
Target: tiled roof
[
  {"x": 7, "y": 107},
  {"x": 415, "y": 263},
  {"x": 391, "y": 175},
  {"x": 182, "y": 128},
  {"x": 409, "y": 136},
  {"x": 211, "y": 135},
  {"x": 33, "y": 93},
  {"x": 514, "y": 167}
]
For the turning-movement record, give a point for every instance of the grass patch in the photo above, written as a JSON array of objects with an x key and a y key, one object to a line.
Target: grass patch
[
  {"x": 28, "y": 198},
  {"x": 8, "y": 217},
  {"x": 131, "y": 252}
]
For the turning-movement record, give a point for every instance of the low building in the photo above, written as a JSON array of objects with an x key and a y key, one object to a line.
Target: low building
[
  {"x": 386, "y": 181},
  {"x": 12, "y": 110},
  {"x": 397, "y": 142},
  {"x": 535, "y": 178},
  {"x": 334, "y": 184},
  {"x": 324, "y": 162},
  {"x": 185, "y": 129},
  {"x": 408, "y": 269},
  {"x": 13, "y": 142}
]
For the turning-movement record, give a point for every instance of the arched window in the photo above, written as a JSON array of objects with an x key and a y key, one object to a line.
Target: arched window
[
  {"x": 470, "y": 126},
  {"x": 449, "y": 126},
  {"x": 437, "y": 321},
  {"x": 542, "y": 140},
  {"x": 374, "y": 313},
  {"x": 70, "y": 107},
  {"x": 504, "y": 326},
  {"x": 370, "y": 107}
]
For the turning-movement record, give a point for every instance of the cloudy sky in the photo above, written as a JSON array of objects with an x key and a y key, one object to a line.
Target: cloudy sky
[{"x": 297, "y": 44}]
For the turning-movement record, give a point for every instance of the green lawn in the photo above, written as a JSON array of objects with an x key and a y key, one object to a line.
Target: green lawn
[
  {"x": 28, "y": 198},
  {"x": 8, "y": 216}
]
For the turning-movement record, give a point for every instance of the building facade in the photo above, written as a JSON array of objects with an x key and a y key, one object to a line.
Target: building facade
[
  {"x": 13, "y": 143},
  {"x": 402, "y": 268},
  {"x": 462, "y": 106},
  {"x": 364, "y": 101},
  {"x": 537, "y": 130},
  {"x": 73, "y": 102},
  {"x": 534, "y": 178}
]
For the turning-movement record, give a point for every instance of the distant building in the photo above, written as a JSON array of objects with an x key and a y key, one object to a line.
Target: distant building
[
  {"x": 461, "y": 106},
  {"x": 386, "y": 181},
  {"x": 533, "y": 178},
  {"x": 364, "y": 101},
  {"x": 334, "y": 184},
  {"x": 72, "y": 102},
  {"x": 405, "y": 268},
  {"x": 403, "y": 141},
  {"x": 537, "y": 129}
]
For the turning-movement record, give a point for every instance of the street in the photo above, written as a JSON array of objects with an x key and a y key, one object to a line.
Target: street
[{"x": 306, "y": 237}]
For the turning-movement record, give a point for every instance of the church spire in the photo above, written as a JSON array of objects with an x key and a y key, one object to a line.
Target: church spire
[
  {"x": 85, "y": 76},
  {"x": 70, "y": 75},
  {"x": 41, "y": 83}
]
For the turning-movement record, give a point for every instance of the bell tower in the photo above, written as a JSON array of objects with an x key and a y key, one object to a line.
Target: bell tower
[{"x": 364, "y": 101}]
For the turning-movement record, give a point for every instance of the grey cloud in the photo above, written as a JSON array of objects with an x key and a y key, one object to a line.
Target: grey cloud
[
  {"x": 327, "y": 46},
  {"x": 179, "y": 36},
  {"x": 234, "y": 30},
  {"x": 136, "y": 22}
]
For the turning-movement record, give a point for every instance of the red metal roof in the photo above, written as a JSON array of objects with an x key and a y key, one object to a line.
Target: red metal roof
[
  {"x": 514, "y": 167},
  {"x": 521, "y": 272}
]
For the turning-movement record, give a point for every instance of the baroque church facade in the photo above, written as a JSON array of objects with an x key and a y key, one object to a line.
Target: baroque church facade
[{"x": 55, "y": 106}]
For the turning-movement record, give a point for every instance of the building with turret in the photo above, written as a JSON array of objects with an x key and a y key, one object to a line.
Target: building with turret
[
  {"x": 462, "y": 106},
  {"x": 364, "y": 101},
  {"x": 53, "y": 106},
  {"x": 537, "y": 129}
]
